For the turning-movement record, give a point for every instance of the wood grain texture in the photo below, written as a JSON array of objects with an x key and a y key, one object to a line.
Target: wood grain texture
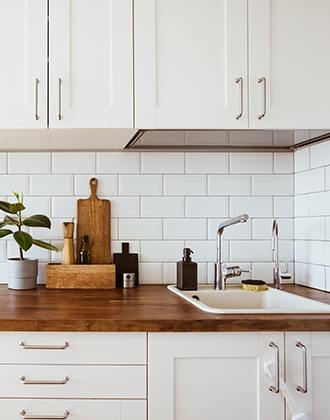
[
  {"x": 96, "y": 276},
  {"x": 93, "y": 219},
  {"x": 148, "y": 308},
  {"x": 68, "y": 246}
]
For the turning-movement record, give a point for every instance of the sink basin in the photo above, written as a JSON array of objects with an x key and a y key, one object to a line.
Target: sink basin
[{"x": 234, "y": 300}]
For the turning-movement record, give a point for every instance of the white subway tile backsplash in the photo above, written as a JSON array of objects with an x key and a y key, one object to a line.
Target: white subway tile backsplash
[
  {"x": 272, "y": 185},
  {"x": 185, "y": 184},
  {"x": 301, "y": 160},
  {"x": 264, "y": 271},
  {"x": 163, "y": 202},
  {"x": 206, "y": 250},
  {"x": 262, "y": 228},
  {"x": 150, "y": 273},
  {"x": 49, "y": 185},
  {"x": 283, "y": 163},
  {"x": 310, "y": 181},
  {"x": 184, "y": 228},
  {"x": 162, "y": 163},
  {"x": 320, "y": 155},
  {"x": 229, "y": 185},
  {"x": 283, "y": 207},
  {"x": 162, "y": 206},
  {"x": 301, "y": 205},
  {"x": 319, "y": 204},
  {"x": 10, "y": 183},
  {"x": 310, "y": 228},
  {"x": 310, "y": 275},
  {"x": 253, "y": 206},
  {"x": 64, "y": 207},
  {"x": 206, "y": 163},
  {"x": 327, "y": 177},
  {"x": 161, "y": 251},
  {"x": 313, "y": 252},
  {"x": 73, "y": 163},
  {"x": 117, "y": 162},
  {"x": 3, "y": 251},
  {"x": 206, "y": 206},
  {"x": 251, "y": 163},
  {"x": 3, "y": 163},
  {"x": 28, "y": 163},
  {"x": 140, "y": 229},
  {"x": 107, "y": 185},
  {"x": 124, "y": 206},
  {"x": 250, "y": 251},
  {"x": 140, "y": 185}
]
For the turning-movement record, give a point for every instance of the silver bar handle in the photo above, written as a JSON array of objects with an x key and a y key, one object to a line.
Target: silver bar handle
[
  {"x": 26, "y": 381},
  {"x": 276, "y": 387},
  {"x": 36, "y": 114},
  {"x": 59, "y": 99},
  {"x": 303, "y": 388},
  {"x": 264, "y": 97},
  {"x": 25, "y": 346},
  {"x": 239, "y": 81},
  {"x": 26, "y": 416}
]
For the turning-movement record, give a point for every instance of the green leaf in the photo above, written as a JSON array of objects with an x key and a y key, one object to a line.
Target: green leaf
[
  {"x": 24, "y": 240},
  {"x": 37, "y": 220},
  {"x": 2, "y": 224},
  {"x": 10, "y": 207},
  {"x": 44, "y": 245},
  {"x": 8, "y": 220},
  {"x": 5, "y": 232}
]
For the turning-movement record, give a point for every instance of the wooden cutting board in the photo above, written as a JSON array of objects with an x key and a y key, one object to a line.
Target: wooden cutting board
[{"x": 94, "y": 218}]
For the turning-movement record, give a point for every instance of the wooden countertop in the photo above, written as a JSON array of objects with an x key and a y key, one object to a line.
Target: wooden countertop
[{"x": 147, "y": 308}]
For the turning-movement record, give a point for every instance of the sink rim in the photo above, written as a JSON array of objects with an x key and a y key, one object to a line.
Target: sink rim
[{"x": 324, "y": 308}]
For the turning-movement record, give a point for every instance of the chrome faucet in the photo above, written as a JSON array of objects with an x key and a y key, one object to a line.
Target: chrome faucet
[
  {"x": 222, "y": 272},
  {"x": 276, "y": 258},
  {"x": 278, "y": 274}
]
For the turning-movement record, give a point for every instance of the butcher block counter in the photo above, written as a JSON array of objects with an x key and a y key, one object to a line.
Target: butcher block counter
[{"x": 148, "y": 308}]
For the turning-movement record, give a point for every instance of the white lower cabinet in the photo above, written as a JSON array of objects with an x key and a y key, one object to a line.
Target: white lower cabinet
[
  {"x": 308, "y": 374},
  {"x": 72, "y": 409},
  {"x": 194, "y": 376}
]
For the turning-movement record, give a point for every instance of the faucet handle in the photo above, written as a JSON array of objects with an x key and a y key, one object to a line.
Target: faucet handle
[{"x": 235, "y": 271}]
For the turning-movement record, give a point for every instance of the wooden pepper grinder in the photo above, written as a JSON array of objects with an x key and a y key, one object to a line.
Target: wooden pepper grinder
[{"x": 68, "y": 248}]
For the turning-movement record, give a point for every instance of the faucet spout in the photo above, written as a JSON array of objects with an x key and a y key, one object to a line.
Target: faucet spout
[
  {"x": 276, "y": 258},
  {"x": 222, "y": 272}
]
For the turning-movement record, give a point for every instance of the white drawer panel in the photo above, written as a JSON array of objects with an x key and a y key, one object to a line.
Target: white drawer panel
[
  {"x": 73, "y": 348},
  {"x": 76, "y": 381},
  {"x": 74, "y": 409}
]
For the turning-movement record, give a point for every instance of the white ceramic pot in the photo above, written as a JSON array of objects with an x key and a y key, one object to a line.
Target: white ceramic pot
[{"x": 22, "y": 274}]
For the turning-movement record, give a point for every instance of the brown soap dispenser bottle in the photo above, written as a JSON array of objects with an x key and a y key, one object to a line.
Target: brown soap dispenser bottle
[{"x": 186, "y": 272}]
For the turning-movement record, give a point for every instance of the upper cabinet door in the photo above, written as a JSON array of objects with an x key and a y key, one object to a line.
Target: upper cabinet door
[
  {"x": 289, "y": 63},
  {"x": 90, "y": 64},
  {"x": 23, "y": 69},
  {"x": 191, "y": 64}
]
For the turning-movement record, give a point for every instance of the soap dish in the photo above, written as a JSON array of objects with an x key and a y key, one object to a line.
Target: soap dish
[{"x": 254, "y": 285}]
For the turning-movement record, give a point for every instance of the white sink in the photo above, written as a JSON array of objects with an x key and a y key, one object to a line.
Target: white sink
[{"x": 234, "y": 300}]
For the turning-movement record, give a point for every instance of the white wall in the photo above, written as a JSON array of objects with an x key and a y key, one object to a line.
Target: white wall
[
  {"x": 162, "y": 202},
  {"x": 312, "y": 216}
]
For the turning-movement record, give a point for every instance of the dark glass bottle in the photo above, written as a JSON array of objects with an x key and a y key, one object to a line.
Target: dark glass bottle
[{"x": 85, "y": 251}]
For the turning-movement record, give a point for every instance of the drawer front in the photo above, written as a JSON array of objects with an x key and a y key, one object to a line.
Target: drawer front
[
  {"x": 33, "y": 381},
  {"x": 73, "y": 348},
  {"x": 73, "y": 409}
]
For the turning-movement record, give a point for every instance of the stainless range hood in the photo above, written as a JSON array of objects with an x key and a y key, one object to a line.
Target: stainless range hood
[
  {"x": 225, "y": 140},
  {"x": 157, "y": 140}
]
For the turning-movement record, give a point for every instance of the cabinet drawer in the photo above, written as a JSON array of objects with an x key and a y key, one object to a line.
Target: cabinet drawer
[
  {"x": 34, "y": 381},
  {"x": 73, "y": 348},
  {"x": 73, "y": 409}
]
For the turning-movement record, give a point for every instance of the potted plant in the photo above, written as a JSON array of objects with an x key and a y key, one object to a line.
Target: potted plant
[{"x": 22, "y": 272}]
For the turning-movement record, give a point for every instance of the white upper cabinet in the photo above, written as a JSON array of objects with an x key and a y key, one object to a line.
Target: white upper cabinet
[
  {"x": 289, "y": 63},
  {"x": 90, "y": 64},
  {"x": 191, "y": 64},
  {"x": 23, "y": 69}
]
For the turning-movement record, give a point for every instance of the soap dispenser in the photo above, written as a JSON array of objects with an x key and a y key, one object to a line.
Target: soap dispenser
[{"x": 186, "y": 272}]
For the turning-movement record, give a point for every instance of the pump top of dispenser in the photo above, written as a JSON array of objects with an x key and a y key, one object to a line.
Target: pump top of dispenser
[{"x": 187, "y": 254}]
